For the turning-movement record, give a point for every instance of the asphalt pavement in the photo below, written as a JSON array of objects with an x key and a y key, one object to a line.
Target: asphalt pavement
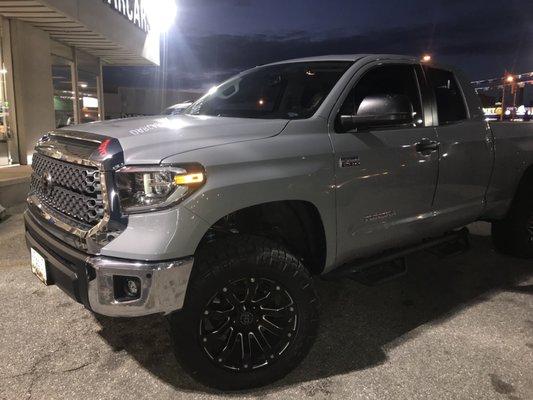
[{"x": 459, "y": 327}]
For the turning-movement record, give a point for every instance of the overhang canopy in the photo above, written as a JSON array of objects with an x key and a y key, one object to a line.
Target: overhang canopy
[{"x": 90, "y": 26}]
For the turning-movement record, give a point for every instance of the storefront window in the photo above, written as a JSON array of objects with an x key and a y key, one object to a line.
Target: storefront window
[
  {"x": 8, "y": 154},
  {"x": 88, "y": 97},
  {"x": 4, "y": 110},
  {"x": 63, "y": 91}
]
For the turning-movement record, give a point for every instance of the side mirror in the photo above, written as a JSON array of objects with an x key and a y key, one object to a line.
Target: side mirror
[{"x": 379, "y": 110}]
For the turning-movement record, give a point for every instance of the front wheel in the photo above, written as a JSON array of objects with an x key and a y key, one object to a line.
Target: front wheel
[{"x": 250, "y": 315}]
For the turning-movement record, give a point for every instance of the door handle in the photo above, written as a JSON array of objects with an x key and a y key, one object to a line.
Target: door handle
[{"x": 426, "y": 146}]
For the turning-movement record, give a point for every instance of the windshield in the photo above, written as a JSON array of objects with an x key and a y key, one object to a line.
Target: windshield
[{"x": 291, "y": 91}]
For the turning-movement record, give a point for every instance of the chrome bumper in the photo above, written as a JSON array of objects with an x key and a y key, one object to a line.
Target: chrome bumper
[
  {"x": 90, "y": 279},
  {"x": 163, "y": 286}
]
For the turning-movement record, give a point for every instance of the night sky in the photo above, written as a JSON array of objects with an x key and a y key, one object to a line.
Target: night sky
[{"x": 213, "y": 39}]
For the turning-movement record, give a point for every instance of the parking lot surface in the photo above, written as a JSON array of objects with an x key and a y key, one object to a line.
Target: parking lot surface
[{"x": 459, "y": 327}]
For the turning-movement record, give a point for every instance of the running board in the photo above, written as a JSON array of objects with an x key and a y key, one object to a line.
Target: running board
[
  {"x": 448, "y": 243},
  {"x": 381, "y": 273}
]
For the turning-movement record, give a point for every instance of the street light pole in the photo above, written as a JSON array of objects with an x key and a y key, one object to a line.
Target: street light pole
[
  {"x": 513, "y": 92},
  {"x": 503, "y": 101},
  {"x": 508, "y": 78}
]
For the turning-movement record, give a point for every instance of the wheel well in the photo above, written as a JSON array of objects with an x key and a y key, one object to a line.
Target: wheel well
[
  {"x": 524, "y": 186},
  {"x": 294, "y": 224}
]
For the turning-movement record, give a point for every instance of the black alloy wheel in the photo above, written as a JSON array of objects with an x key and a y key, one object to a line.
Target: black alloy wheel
[{"x": 248, "y": 324}]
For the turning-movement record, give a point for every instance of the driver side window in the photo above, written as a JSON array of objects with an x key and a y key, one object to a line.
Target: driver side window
[{"x": 390, "y": 80}]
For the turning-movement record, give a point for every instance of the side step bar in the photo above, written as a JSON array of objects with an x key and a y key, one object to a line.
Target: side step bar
[{"x": 359, "y": 266}]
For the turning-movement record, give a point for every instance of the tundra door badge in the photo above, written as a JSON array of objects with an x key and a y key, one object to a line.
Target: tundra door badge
[{"x": 345, "y": 162}]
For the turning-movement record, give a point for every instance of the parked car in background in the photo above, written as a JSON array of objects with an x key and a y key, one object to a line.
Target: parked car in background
[
  {"x": 177, "y": 109},
  {"x": 220, "y": 217}
]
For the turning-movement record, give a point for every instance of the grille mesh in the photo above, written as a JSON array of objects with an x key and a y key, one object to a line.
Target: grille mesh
[{"x": 76, "y": 190}]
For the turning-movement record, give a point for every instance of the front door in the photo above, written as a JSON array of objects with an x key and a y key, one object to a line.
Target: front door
[{"x": 385, "y": 175}]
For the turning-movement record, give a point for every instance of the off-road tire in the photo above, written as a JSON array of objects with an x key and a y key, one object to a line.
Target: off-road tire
[{"x": 231, "y": 261}]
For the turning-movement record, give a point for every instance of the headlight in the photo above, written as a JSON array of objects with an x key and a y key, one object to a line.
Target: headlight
[{"x": 142, "y": 189}]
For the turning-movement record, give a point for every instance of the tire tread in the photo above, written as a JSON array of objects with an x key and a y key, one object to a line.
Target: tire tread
[{"x": 213, "y": 261}]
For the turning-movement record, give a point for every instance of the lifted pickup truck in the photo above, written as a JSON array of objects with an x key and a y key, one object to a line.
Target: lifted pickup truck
[{"x": 220, "y": 217}]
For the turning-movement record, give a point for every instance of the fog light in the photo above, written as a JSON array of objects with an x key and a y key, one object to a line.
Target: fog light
[
  {"x": 133, "y": 287},
  {"x": 127, "y": 288}
]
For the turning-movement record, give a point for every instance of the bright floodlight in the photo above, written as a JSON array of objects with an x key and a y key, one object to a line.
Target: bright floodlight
[
  {"x": 426, "y": 58},
  {"x": 161, "y": 14},
  {"x": 509, "y": 78}
]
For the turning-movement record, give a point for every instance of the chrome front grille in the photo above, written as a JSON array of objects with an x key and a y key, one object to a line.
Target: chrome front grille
[{"x": 73, "y": 190}]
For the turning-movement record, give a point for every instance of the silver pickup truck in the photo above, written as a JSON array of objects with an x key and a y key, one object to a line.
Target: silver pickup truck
[{"x": 220, "y": 217}]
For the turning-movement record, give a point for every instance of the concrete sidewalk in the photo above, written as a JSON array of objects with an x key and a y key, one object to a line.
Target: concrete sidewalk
[
  {"x": 14, "y": 183},
  {"x": 454, "y": 328}
]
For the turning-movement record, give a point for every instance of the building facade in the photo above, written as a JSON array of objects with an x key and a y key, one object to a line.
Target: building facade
[{"x": 51, "y": 58}]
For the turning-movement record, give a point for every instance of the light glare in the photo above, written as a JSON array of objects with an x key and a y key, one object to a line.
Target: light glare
[{"x": 161, "y": 14}]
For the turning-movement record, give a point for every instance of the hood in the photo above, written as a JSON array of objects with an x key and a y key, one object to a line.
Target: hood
[{"x": 149, "y": 140}]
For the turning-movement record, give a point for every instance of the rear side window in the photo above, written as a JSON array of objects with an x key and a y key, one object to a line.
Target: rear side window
[{"x": 450, "y": 103}]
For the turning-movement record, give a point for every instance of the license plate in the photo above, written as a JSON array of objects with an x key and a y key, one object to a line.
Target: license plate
[{"x": 38, "y": 266}]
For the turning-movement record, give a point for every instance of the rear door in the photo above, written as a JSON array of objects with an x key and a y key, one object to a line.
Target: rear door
[
  {"x": 465, "y": 154},
  {"x": 385, "y": 183}
]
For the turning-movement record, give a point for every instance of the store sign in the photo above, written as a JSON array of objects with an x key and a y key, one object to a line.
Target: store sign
[{"x": 134, "y": 10}]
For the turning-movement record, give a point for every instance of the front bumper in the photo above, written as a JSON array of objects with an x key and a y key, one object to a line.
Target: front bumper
[{"x": 90, "y": 280}]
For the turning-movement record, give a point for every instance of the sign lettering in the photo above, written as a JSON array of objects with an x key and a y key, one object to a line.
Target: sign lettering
[{"x": 133, "y": 10}]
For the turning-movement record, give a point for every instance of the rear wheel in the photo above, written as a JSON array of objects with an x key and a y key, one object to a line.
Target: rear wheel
[
  {"x": 514, "y": 234},
  {"x": 250, "y": 315}
]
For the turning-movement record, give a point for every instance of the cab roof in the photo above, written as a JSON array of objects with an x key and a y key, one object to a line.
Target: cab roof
[{"x": 348, "y": 57}]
